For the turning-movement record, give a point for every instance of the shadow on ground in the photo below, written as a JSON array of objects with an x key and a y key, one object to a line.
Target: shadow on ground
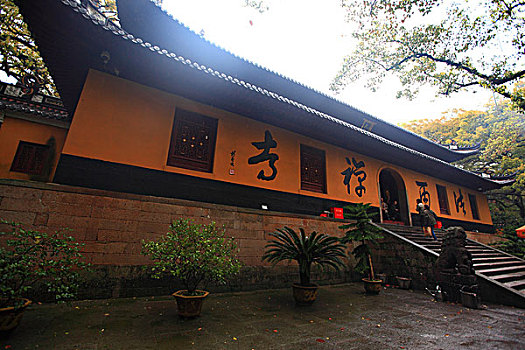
[{"x": 343, "y": 317}]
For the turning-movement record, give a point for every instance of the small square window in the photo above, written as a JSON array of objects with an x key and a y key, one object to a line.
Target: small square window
[
  {"x": 443, "y": 199},
  {"x": 30, "y": 158},
  {"x": 192, "y": 141},
  {"x": 313, "y": 169},
  {"x": 473, "y": 206}
]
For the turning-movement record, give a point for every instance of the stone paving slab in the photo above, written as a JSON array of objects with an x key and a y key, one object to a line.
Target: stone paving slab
[{"x": 343, "y": 317}]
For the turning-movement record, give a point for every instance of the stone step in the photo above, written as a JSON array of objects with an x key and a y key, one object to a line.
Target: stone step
[
  {"x": 509, "y": 277},
  {"x": 483, "y": 265},
  {"x": 495, "y": 259},
  {"x": 483, "y": 251},
  {"x": 485, "y": 254},
  {"x": 425, "y": 242},
  {"x": 494, "y": 265},
  {"x": 492, "y": 253},
  {"x": 500, "y": 270},
  {"x": 519, "y": 284},
  {"x": 478, "y": 248}
]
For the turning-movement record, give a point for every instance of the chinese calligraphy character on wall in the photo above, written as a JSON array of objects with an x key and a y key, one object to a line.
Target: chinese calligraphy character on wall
[
  {"x": 458, "y": 200},
  {"x": 232, "y": 162},
  {"x": 265, "y": 155},
  {"x": 353, "y": 169},
  {"x": 424, "y": 195}
]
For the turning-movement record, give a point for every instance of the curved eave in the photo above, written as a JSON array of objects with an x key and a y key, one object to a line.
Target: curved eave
[
  {"x": 22, "y": 108},
  {"x": 466, "y": 153},
  {"x": 71, "y": 40},
  {"x": 504, "y": 177},
  {"x": 502, "y": 183},
  {"x": 149, "y": 22}
]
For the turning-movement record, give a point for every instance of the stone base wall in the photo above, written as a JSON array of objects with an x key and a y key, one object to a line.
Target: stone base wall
[
  {"x": 111, "y": 226},
  {"x": 484, "y": 238},
  {"x": 395, "y": 257}
]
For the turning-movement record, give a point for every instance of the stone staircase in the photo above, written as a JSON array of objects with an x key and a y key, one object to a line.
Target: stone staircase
[{"x": 502, "y": 275}]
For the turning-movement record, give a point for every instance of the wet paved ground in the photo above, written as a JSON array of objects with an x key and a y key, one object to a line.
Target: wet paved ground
[{"x": 342, "y": 318}]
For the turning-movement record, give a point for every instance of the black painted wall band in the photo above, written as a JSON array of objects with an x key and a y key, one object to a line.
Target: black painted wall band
[{"x": 85, "y": 172}]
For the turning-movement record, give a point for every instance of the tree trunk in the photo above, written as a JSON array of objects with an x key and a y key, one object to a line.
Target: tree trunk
[{"x": 304, "y": 273}]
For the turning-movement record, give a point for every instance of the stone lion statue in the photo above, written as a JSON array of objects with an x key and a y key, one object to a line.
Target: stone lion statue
[{"x": 454, "y": 257}]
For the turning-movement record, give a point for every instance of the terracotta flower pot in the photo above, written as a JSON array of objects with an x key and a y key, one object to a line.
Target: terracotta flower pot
[
  {"x": 10, "y": 317},
  {"x": 189, "y": 305},
  {"x": 403, "y": 282},
  {"x": 372, "y": 286},
  {"x": 304, "y": 295}
]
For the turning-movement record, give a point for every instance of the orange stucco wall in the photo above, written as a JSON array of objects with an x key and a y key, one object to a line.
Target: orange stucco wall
[
  {"x": 123, "y": 122},
  {"x": 14, "y": 130}
]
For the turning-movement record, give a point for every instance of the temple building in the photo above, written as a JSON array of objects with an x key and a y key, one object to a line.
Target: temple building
[{"x": 152, "y": 108}]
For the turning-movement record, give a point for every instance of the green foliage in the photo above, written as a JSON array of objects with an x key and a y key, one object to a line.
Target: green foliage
[
  {"x": 18, "y": 52},
  {"x": 193, "y": 253},
  {"x": 507, "y": 221},
  {"x": 28, "y": 257},
  {"x": 513, "y": 245},
  {"x": 363, "y": 231},
  {"x": 316, "y": 248},
  {"x": 450, "y": 45},
  {"x": 500, "y": 131}
]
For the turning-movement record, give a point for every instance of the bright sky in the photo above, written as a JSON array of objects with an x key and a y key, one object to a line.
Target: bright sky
[{"x": 306, "y": 40}]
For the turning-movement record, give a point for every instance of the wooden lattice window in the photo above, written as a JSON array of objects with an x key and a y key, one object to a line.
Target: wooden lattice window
[
  {"x": 192, "y": 141},
  {"x": 30, "y": 158},
  {"x": 473, "y": 206},
  {"x": 443, "y": 199},
  {"x": 313, "y": 169}
]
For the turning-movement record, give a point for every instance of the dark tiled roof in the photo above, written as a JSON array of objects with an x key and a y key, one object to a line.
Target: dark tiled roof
[
  {"x": 145, "y": 19},
  {"x": 301, "y": 116},
  {"x": 12, "y": 98}
]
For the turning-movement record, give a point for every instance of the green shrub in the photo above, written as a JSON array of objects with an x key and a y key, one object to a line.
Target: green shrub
[
  {"x": 193, "y": 253},
  {"x": 30, "y": 257}
]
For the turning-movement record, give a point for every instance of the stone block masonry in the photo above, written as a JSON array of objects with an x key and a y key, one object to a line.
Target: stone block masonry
[
  {"x": 394, "y": 257},
  {"x": 112, "y": 225}
]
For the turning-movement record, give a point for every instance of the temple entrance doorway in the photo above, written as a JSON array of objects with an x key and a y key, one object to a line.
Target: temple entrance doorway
[{"x": 393, "y": 198}]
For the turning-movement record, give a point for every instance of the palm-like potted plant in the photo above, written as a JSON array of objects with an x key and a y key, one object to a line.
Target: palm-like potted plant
[
  {"x": 320, "y": 249},
  {"x": 29, "y": 258},
  {"x": 362, "y": 230},
  {"x": 193, "y": 253}
]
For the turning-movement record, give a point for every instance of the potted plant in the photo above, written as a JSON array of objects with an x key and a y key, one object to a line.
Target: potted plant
[
  {"x": 362, "y": 230},
  {"x": 193, "y": 253},
  {"x": 28, "y": 259},
  {"x": 320, "y": 249}
]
